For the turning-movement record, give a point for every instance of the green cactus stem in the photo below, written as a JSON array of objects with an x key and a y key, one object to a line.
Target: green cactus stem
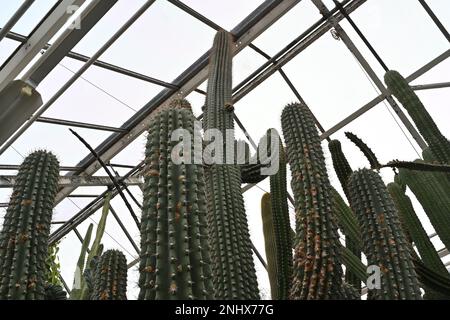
[
  {"x": 418, "y": 166},
  {"x": 340, "y": 164},
  {"x": 432, "y": 191},
  {"x": 175, "y": 262},
  {"x": 317, "y": 267},
  {"x": 384, "y": 242},
  {"x": 418, "y": 235},
  {"x": 26, "y": 227},
  {"x": 437, "y": 142},
  {"x": 354, "y": 264},
  {"x": 368, "y": 153},
  {"x": 234, "y": 273},
  {"x": 75, "y": 293},
  {"x": 110, "y": 280}
]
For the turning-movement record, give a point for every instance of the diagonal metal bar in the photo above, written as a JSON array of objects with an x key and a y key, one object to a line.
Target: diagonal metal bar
[
  {"x": 16, "y": 17},
  {"x": 435, "y": 19},
  {"x": 371, "y": 73},
  {"x": 76, "y": 124},
  {"x": 122, "y": 226}
]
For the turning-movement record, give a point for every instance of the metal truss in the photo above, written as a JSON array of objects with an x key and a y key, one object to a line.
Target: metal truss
[{"x": 244, "y": 33}]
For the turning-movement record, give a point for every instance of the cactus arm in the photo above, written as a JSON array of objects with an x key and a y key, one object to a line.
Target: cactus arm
[
  {"x": 346, "y": 218},
  {"x": 384, "y": 242},
  {"x": 417, "y": 166},
  {"x": 370, "y": 155},
  {"x": 354, "y": 264}
]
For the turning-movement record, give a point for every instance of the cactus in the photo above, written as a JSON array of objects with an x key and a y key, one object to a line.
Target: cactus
[
  {"x": 418, "y": 235},
  {"x": 277, "y": 229},
  {"x": 354, "y": 264},
  {"x": 231, "y": 248},
  {"x": 384, "y": 243},
  {"x": 175, "y": 262},
  {"x": 251, "y": 173},
  {"x": 437, "y": 142},
  {"x": 340, "y": 164},
  {"x": 26, "y": 227},
  {"x": 78, "y": 277},
  {"x": 54, "y": 292},
  {"x": 431, "y": 189},
  {"x": 373, "y": 160},
  {"x": 349, "y": 227},
  {"x": 317, "y": 270},
  {"x": 110, "y": 280},
  {"x": 97, "y": 247}
]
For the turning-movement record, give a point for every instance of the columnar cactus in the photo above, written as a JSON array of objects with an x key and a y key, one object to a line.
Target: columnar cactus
[
  {"x": 368, "y": 153},
  {"x": 175, "y": 262},
  {"x": 54, "y": 292},
  {"x": 110, "y": 280},
  {"x": 231, "y": 251},
  {"x": 432, "y": 191},
  {"x": 437, "y": 142},
  {"x": 24, "y": 237},
  {"x": 384, "y": 243},
  {"x": 419, "y": 236},
  {"x": 282, "y": 226},
  {"x": 317, "y": 266},
  {"x": 341, "y": 166}
]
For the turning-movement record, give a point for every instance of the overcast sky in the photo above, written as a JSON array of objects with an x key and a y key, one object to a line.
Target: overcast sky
[{"x": 165, "y": 41}]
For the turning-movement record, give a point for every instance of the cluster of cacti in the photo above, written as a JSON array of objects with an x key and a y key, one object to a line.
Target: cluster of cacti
[
  {"x": 317, "y": 265},
  {"x": 110, "y": 280},
  {"x": 384, "y": 242},
  {"x": 175, "y": 261},
  {"x": 234, "y": 274},
  {"x": 26, "y": 227},
  {"x": 432, "y": 191},
  {"x": 195, "y": 241},
  {"x": 438, "y": 143}
]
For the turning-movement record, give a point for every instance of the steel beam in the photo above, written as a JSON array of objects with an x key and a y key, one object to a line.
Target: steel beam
[
  {"x": 76, "y": 124},
  {"x": 440, "y": 85},
  {"x": 13, "y": 167},
  {"x": 258, "y": 21},
  {"x": 435, "y": 19},
  {"x": 75, "y": 181},
  {"x": 125, "y": 231},
  {"x": 89, "y": 17},
  {"x": 38, "y": 39},
  {"x": 381, "y": 97}
]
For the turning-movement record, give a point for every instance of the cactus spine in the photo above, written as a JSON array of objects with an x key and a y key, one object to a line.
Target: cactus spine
[
  {"x": 110, "y": 280},
  {"x": 431, "y": 189},
  {"x": 175, "y": 262},
  {"x": 384, "y": 243},
  {"x": 317, "y": 270},
  {"x": 231, "y": 252},
  {"x": 23, "y": 239},
  {"x": 437, "y": 142}
]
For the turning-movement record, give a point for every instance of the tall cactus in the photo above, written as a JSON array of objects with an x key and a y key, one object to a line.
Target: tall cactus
[
  {"x": 432, "y": 191},
  {"x": 110, "y": 280},
  {"x": 418, "y": 234},
  {"x": 231, "y": 251},
  {"x": 384, "y": 243},
  {"x": 26, "y": 227},
  {"x": 317, "y": 265},
  {"x": 175, "y": 262},
  {"x": 437, "y": 142}
]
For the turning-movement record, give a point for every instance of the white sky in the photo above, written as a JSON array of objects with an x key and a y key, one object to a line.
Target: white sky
[{"x": 165, "y": 41}]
